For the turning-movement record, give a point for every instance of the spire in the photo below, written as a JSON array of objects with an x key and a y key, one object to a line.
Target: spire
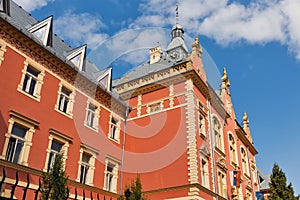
[
  {"x": 177, "y": 16},
  {"x": 177, "y": 30}
]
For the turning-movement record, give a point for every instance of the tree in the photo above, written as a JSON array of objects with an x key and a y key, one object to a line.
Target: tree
[
  {"x": 135, "y": 189},
  {"x": 278, "y": 187},
  {"x": 54, "y": 182}
]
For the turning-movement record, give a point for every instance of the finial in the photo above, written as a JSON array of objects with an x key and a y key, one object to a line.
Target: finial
[
  {"x": 177, "y": 16},
  {"x": 197, "y": 39},
  {"x": 126, "y": 78},
  {"x": 245, "y": 118},
  {"x": 225, "y": 78}
]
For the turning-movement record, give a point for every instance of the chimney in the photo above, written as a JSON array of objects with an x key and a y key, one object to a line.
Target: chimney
[{"x": 155, "y": 54}]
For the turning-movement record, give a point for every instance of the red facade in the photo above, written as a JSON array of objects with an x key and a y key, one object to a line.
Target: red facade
[{"x": 180, "y": 136}]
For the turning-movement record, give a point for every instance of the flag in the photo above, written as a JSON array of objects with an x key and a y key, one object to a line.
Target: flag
[
  {"x": 259, "y": 195},
  {"x": 236, "y": 180}
]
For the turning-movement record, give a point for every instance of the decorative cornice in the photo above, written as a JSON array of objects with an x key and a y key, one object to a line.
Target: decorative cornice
[
  {"x": 182, "y": 73},
  {"x": 24, "y": 118},
  {"x": 44, "y": 56}
]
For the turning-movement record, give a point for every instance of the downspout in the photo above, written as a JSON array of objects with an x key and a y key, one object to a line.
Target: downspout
[
  {"x": 123, "y": 149},
  {"x": 213, "y": 152}
]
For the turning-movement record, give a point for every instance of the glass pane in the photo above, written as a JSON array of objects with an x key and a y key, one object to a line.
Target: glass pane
[
  {"x": 32, "y": 71},
  {"x": 65, "y": 91},
  {"x": 10, "y": 149},
  {"x": 32, "y": 86},
  {"x": 18, "y": 151},
  {"x": 56, "y": 146},
  {"x": 19, "y": 131},
  {"x": 85, "y": 158}
]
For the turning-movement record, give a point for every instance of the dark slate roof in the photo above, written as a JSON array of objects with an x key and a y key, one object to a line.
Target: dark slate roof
[
  {"x": 23, "y": 20},
  {"x": 147, "y": 68}
]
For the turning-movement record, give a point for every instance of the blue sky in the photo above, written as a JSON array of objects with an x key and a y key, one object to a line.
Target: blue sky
[{"x": 257, "y": 41}]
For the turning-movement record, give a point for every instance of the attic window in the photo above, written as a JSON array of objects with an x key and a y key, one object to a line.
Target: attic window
[
  {"x": 76, "y": 56},
  {"x": 4, "y": 6},
  {"x": 105, "y": 79},
  {"x": 43, "y": 31}
]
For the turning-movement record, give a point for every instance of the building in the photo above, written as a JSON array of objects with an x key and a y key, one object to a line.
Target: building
[{"x": 162, "y": 120}]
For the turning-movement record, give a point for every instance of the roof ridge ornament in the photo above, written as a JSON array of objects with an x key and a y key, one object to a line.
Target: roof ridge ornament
[{"x": 177, "y": 15}]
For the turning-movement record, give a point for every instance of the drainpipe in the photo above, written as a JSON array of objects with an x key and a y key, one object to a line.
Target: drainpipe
[
  {"x": 123, "y": 149},
  {"x": 212, "y": 144}
]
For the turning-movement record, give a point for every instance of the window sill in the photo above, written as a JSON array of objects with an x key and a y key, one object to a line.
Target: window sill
[
  {"x": 38, "y": 99},
  {"x": 115, "y": 140},
  {"x": 219, "y": 151},
  {"x": 65, "y": 114},
  {"x": 91, "y": 128}
]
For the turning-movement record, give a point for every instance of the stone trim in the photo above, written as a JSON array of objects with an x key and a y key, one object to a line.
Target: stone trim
[
  {"x": 2, "y": 51},
  {"x": 191, "y": 137}
]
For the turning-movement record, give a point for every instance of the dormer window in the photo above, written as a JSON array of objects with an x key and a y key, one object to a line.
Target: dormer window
[
  {"x": 4, "y": 6},
  {"x": 105, "y": 79},
  {"x": 43, "y": 31},
  {"x": 77, "y": 56}
]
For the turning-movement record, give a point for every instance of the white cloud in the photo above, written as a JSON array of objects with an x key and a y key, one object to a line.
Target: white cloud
[
  {"x": 30, "y": 5},
  {"x": 80, "y": 29},
  {"x": 228, "y": 22}
]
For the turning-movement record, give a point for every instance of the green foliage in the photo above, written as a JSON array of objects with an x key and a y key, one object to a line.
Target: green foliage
[
  {"x": 136, "y": 190},
  {"x": 54, "y": 182},
  {"x": 278, "y": 188}
]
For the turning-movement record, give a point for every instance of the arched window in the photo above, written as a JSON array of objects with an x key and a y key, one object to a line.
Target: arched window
[
  {"x": 245, "y": 161},
  {"x": 232, "y": 149},
  {"x": 217, "y": 134}
]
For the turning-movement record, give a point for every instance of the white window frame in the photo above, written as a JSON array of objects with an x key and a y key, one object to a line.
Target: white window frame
[
  {"x": 2, "y": 51},
  {"x": 218, "y": 135},
  {"x": 245, "y": 162},
  {"x": 92, "y": 116},
  {"x": 70, "y": 98},
  {"x": 222, "y": 186},
  {"x": 62, "y": 138},
  {"x": 204, "y": 173},
  {"x": 39, "y": 80},
  {"x": 27, "y": 123},
  {"x": 201, "y": 119},
  {"x": 92, "y": 152},
  {"x": 114, "y": 163},
  {"x": 116, "y": 127},
  {"x": 232, "y": 149}
]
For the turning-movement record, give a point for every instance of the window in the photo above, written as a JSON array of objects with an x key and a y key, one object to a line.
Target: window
[
  {"x": 222, "y": 184},
  {"x": 232, "y": 149},
  {"x": 18, "y": 138},
  {"x": 56, "y": 147},
  {"x": 217, "y": 134},
  {"x": 16, "y": 144},
  {"x": 111, "y": 176},
  {"x": 58, "y": 143},
  {"x": 204, "y": 173},
  {"x": 31, "y": 81},
  {"x": 86, "y": 164},
  {"x": 84, "y": 167},
  {"x": 245, "y": 162},
  {"x": 92, "y": 116},
  {"x": 201, "y": 119},
  {"x": 65, "y": 100},
  {"x": 114, "y": 129}
]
